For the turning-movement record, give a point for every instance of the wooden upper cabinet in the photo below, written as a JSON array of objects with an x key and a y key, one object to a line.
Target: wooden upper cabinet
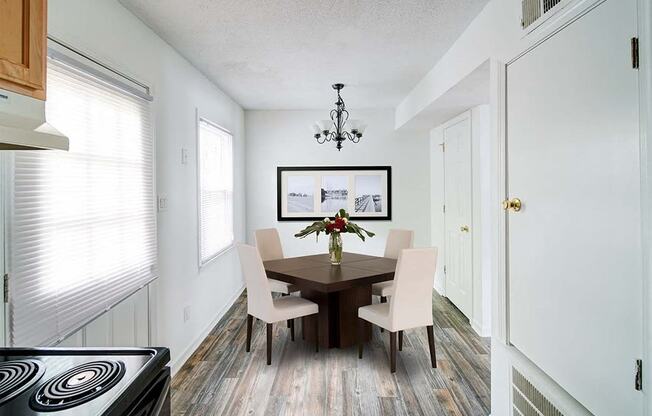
[{"x": 23, "y": 46}]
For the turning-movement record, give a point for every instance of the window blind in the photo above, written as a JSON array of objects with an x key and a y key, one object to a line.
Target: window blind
[
  {"x": 215, "y": 190},
  {"x": 82, "y": 228}
]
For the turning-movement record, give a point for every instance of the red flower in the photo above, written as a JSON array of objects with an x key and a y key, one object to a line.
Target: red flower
[{"x": 340, "y": 224}]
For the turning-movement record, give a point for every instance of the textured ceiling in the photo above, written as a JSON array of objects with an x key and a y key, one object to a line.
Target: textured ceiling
[{"x": 285, "y": 54}]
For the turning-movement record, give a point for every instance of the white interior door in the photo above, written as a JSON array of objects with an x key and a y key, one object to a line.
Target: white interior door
[
  {"x": 458, "y": 215},
  {"x": 574, "y": 250}
]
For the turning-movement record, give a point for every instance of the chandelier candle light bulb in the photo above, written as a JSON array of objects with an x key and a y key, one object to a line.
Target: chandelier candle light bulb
[{"x": 335, "y": 228}]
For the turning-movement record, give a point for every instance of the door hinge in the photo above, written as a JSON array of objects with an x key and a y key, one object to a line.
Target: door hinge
[
  {"x": 635, "y": 58},
  {"x": 5, "y": 282},
  {"x": 443, "y": 209},
  {"x": 443, "y": 146},
  {"x": 444, "y": 269},
  {"x": 638, "y": 379}
]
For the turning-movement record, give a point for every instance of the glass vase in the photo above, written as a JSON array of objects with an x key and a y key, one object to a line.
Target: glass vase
[{"x": 335, "y": 249}]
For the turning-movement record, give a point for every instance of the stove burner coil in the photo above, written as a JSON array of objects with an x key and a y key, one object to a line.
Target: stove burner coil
[
  {"x": 17, "y": 376},
  {"x": 77, "y": 385}
]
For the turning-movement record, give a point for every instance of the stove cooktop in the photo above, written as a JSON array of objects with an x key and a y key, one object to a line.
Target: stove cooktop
[{"x": 72, "y": 382}]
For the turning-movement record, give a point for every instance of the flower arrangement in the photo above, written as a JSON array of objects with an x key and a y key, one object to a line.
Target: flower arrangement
[{"x": 334, "y": 228}]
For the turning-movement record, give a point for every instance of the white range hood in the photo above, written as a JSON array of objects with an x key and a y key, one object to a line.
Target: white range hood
[{"x": 23, "y": 125}]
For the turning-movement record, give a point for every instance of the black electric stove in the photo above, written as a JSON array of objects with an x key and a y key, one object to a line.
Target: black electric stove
[{"x": 84, "y": 381}]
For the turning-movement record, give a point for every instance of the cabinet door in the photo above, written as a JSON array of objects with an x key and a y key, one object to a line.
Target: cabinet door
[{"x": 23, "y": 46}]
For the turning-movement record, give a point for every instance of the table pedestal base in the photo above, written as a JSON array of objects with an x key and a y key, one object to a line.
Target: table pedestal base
[{"x": 338, "y": 317}]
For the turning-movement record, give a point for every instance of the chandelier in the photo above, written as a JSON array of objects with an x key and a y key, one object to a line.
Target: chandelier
[{"x": 333, "y": 129}]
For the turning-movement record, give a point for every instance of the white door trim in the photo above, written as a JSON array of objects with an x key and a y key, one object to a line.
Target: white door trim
[
  {"x": 500, "y": 311},
  {"x": 645, "y": 134}
]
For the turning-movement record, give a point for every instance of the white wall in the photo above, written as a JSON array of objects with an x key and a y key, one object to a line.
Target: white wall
[
  {"x": 283, "y": 138},
  {"x": 104, "y": 29},
  {"x": 480, "y": 318},
  {"x": 437, "y": 201},
  {"x": 492, "y": 34}
]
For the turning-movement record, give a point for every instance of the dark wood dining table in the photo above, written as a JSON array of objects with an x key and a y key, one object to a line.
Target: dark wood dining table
[{"x": 338, "y": 290}]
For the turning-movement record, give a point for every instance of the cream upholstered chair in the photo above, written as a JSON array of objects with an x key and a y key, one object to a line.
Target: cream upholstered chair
[
  {"x": 260, "y": 303},
  {"x": 269, "y": 245},
  {"x": 397, "y": 240},
  {"x": 411, "y": 303}
]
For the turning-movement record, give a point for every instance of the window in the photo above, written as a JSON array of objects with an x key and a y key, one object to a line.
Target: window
[
  {"x": 82, "y": 223},
  {"x": 215, "y": 149}
]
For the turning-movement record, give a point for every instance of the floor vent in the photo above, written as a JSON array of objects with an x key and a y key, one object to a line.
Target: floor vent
[
  {"x": 527, "y": 400},
  {"x": 533, "y": 10}
]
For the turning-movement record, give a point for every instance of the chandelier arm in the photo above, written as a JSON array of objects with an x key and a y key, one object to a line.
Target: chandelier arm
[
  {"x": 346, "y": 113},
  {"x": 333, "y": 115}
]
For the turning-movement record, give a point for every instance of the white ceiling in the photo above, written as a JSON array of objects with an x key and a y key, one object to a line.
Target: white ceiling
[{"x": 285, "y": 54}]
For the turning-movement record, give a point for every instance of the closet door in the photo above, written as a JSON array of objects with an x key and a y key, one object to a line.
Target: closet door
[
  {"x": 574, "y": 249},
  {"x": 459, "y": 211}
]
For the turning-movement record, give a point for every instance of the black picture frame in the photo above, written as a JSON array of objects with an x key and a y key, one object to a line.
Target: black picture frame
[{"x": 279, "y": 191}]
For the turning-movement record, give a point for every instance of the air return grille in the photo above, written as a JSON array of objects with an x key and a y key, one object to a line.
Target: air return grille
[
  {"x": 549, "y": 4},
  {"x": 527, "y": 400},
  {"x": 532, "y": 10}
]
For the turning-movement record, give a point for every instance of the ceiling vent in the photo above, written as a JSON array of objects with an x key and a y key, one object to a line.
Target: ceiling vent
[
  {"x": 533, "y": 10},
  {"x": 527, "y": 400}
]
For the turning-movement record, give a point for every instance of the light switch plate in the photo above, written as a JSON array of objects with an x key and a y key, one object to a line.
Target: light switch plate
[{"x": 162, "y": 202}]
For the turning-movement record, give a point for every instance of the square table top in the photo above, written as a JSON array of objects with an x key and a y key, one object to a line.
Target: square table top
[{"x": 316, "y": 272}]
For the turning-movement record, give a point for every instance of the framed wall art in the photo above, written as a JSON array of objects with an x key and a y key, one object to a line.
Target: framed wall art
[{"x": 313, "y": 192}]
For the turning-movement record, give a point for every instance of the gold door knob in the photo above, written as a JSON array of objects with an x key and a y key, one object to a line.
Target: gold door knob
[
  {"x": 464, "y": 228},
  {"x": 514, "y": 204}
]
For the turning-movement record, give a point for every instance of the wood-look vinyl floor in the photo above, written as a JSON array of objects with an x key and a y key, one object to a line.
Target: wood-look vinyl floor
[{"x": 220, "y": 378}]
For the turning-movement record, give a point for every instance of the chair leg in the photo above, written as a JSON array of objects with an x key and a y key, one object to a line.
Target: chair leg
[
  {"x": 360, "y": 335},
  {"x": 250, "y": 323},
  {"x": 383, "y": 299},
  {"x": 400, "y": 340},
  {"x": 392, "y": 351},
  {"x": 282, "y": 295},
  {"x": 291, "y": 321},
  {"x": 269, "y": 344},
  {"x": 316, "y": 333},
  {"x": 431, "y": 344}
]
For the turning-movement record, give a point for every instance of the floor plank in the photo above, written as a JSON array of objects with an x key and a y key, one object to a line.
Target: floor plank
[{"x": 220, "y": 378}]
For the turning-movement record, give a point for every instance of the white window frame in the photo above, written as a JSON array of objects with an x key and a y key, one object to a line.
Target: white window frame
[{"x": 198, "y": 120}]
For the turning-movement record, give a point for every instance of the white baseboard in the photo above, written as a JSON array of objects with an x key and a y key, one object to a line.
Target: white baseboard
[
  {"x": 177, "y": 363},
  {"x": 440, "y": 288},
  {"x": 480, "y": 330}
]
